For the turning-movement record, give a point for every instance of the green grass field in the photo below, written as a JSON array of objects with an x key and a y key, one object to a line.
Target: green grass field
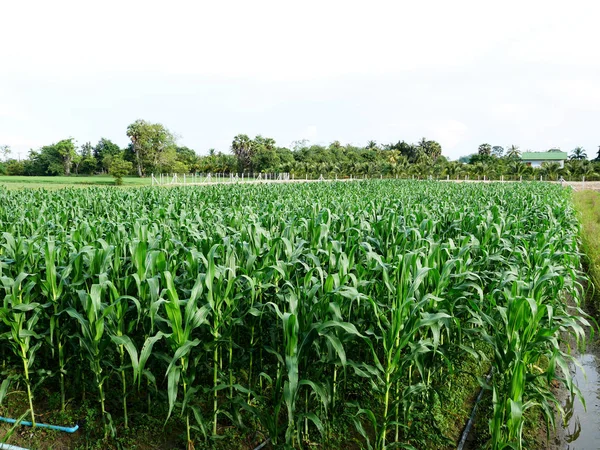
[
  {"x": 587, "y": 204},
  {"x": 57, "y": 182},
  {"x": 18, "y": 182}
]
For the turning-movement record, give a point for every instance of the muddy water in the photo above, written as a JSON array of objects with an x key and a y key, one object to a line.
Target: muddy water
[{"x": 582, "y": 427}]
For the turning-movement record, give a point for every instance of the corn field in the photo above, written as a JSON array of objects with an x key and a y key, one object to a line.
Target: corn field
[{"x": 292, "y": 310}]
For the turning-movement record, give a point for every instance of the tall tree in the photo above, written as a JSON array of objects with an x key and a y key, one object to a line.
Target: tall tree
[
  {"x": 372, "y": 145},
  {"x": 187, "y": 157},
  {"x": 5, "y": 151},
  {"x": 406, "y": 149},
  {"x": 265, "y": 157},
  {"x": 430, "y": 148},
  {"x": 243, "y": 149},
  {"x": 433, "y": 150},
  {"x": 55, "y": 159},
  {"x": 498, "y": 151},
  {"x": 153, "y": 146},
  {"x": 103, "y": 149},
  {"x": 513, "y": 152},
  {"x": 86, "y": 150},
  {"x": 578, "y": 153},
  {"x": 485, "y": 149},
  {"x": 85, "y": 162},
  {"x": 597, "y": 159},
  {"x": 66, "y": 151},
  {"x": 139, "y": 134}
]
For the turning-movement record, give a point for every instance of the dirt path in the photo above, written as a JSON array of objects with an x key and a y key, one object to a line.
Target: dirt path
[{"x": 584, "y": 186}]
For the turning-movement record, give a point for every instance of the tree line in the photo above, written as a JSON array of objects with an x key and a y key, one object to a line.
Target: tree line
[
  {"x": 494, "y": 162},
  {"x": 153, "y": 148}
]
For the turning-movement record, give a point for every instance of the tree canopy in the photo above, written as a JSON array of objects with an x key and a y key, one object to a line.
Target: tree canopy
[{"x": 153, "y": 148}]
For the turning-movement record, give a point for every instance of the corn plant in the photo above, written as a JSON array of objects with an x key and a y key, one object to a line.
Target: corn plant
[
  {"x": 21, "y": 314},
  {"x": 292, "y": 309},
  {"x": 52, "y": 287},
  {"x": 180, "y": 340},
  {"x": 94, "y": 343}
]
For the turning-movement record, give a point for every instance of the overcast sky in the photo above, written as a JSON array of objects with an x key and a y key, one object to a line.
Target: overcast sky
[{"x": 461, "y": 72}]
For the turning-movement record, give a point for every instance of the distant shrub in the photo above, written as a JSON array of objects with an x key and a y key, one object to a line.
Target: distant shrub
[
  {"x": 14, "y": 167},
  {"x": 119, "y": 168}
]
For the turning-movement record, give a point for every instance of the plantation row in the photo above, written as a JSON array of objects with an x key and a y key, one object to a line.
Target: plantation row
[{"x": 295, "y": 310}]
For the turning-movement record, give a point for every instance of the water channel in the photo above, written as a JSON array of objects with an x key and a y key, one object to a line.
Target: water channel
[{"x": 582, "y": 428}]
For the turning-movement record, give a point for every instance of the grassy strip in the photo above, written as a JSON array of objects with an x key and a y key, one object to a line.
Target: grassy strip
[
  {"x": 53, "y": 182},
  {"x": 587, "y": 204}
]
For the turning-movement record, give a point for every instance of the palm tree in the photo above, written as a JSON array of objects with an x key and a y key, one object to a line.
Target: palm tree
[
  {"x": 517, "y": 168},
  {"x": 243, "y": 148},
  {"x": 480, "y": 169},
  {"x": 587, "y": 169},
  {"x": 431, "y": 148},
  {"x": 513, "y": 152},
  {"x": 565, "y": 173},
  {"x": 371, "y": 145},
  {"x": 578, "y": 153},
  {"x": 498, "y": 151},
  {"x": 550, "y": 170},
  {"x": 401, "y": 165},
  {"x": 452, "y": 169}
]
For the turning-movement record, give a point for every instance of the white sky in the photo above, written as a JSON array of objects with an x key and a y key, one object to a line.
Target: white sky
[{"x": 462, "y": 72}]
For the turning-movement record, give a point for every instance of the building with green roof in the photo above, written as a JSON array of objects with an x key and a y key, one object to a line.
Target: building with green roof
[{"x": 535, "y": 159}]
